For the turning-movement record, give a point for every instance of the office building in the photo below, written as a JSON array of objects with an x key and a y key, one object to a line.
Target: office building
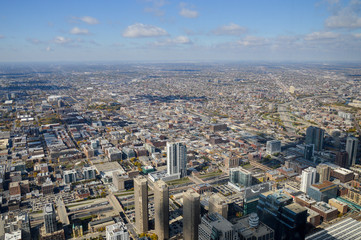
[
  {"x": 249, "y": 227},
  {"x": 308, "y": 178},
  {"x": 287, "y": 219},
  {"x": 141, "y": 204},
  {"x": 240, "y": 176},
  {"x": 251, "y": 197},
  {"x": 191, "y": 214},
  {"x": 69, "y": 176},
  {"x": 161, "y": 209},
  {"x": 89, "y": 173},
  {"x": 49, "y": 218},
  {"x": 273, "y": 146},
  {"x": 314, "y": 135},
  {"x": 324, "y": 172},
  {"x": 117, "y": 231},
  {"x": 218, "y": 205},
  {"x": 351, "y": 149},
  {"x": 342, "y": 159},
  {"x": 308, "y": 152},
  {"x": 322, "y": 191},
  {"x": 177, "y": 159},
  {"x": 214, "y": 226}
]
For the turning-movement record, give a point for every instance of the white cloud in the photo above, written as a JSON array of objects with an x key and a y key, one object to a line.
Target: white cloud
[
  {"x": 2, "y": 36},
  {"x": 34, "y": 41},
  {"x": 357, "y": 35},
  {"x": 230, "y": 29},
  {"x": 186, "y": 12},
  {"x": 48, "y": 49},
  {"x": 251, "y": 41},
  {"x": 79, "y": 31},
  {"x": 156, "y": 7},
  {"x": 174, "y": 41},
  {"x": 62, "y": 40},
  {"x": 143, "y": 30},
  {"x": 89, "y": 20},
  {"x": 321, "y": 36},
  {"x": 346, "y": 17}
]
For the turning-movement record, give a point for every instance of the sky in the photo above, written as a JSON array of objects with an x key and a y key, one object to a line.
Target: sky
[{"x": 180, "y": 31}]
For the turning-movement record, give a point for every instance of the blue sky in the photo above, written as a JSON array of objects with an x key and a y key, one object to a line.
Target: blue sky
[{"x": 166, "y": 30}]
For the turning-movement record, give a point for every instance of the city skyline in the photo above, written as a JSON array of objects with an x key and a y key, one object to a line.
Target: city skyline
[{"x": 165, "y": 31}]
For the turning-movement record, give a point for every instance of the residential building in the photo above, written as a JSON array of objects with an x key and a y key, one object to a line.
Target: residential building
[
  {"x": 191, "y": 214},
  {"x": 117, "y": 231},
  {"x": 161, "y": 209},
  {"x": 351, "y": 149},
  {"x": 308, "y": 178},
  {"x": 141, "y": 204},
  {"x": 315, "y": 135},
  {"x": 177, "y": 159},
  {"x": 273, "y": 146}
]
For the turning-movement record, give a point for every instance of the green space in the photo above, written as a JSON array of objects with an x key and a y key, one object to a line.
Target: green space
[
  {"x": 178, "y": 181},
  {"x": 212, "y": 174},
  {"x": 247, "y": 166}
]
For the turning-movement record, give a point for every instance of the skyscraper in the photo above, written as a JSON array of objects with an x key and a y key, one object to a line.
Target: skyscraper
[
  {"x": 141, "y": 204},
  {"x": 351, "y": 149},
  {"x": 308, "y": 178},
  {"x": 240, "y": 176},
  {"x": 214, "y": 226},
  {"x": 49, "y": 218},
  {"x": 342, "y": 159},
  {"x": 218, "y": 205},
  {"x": 177, "y": 159},
  {"x": 314, "y": 135},
  {"x": 287, "y": 219},
  {"x": 191, "y": 214},
  {"x": 324, "y": 172},
  {"x": 309, "y": 151},
  {"x": 161, "y": 209},
  {"x": 273, "y": 146}
]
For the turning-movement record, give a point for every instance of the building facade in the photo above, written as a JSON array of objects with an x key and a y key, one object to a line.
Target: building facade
[
  {"x": 177, "y": 159},
  {"x": 191, "y": 214},
  {"x": 141, "y": 204}
]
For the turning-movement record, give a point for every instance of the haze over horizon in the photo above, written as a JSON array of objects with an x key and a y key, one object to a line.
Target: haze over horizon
[{"x": 166, "y": 31}]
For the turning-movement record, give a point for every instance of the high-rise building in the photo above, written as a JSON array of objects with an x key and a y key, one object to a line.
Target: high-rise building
[
  {"x": 314, "y": 135},
  {"x": 273, "y": 146},
  {"x": 287, "y": 219},
  {"x": 161, "y": 209},
  {"x": 177, "y": 159},
  {"x": 218, "y": 205},
  {"x": 308, "y": 178},
  {"x": 342, "y": 159},
  {"x": 117, "y": 231},
  {"x": 249, "y": 227},
  {"x": 308, "y": 152},
  {"x": 240, "y": 176},
  {"x": 49, "y": 218},
  {"x": 191, "y": 214},
  {"x": 324, "y": 172},
  {"x": 351, "y": 149},
  {"x": 141, "y": 204},
  {"x": 214, "y": 226}
]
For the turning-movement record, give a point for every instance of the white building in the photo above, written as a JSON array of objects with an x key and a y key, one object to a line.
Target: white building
[
  {"x": 69, "y": 176},
  {"x": 308, "y": 178},
  {"x": 117, "y": 231},
  {"x": 273, "y": 146},
  {"x": 177, "y": 159}
]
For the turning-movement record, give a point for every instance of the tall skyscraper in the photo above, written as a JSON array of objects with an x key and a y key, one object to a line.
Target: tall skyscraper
[
  {"x": 351, "y": 149},
  {"x": 324, "y": 172},
  {"x": 177, "y": 159},
  {"x": 49, "y": 218},
  {"x": 161, "y": 209},
  {"x": 308, "y": 178},
  {"x": 141, "y": 204},
  {"x": 342, "y": 159},
  {"x": 191, "y": 214},
  {"x": 314, "y": 135}
]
